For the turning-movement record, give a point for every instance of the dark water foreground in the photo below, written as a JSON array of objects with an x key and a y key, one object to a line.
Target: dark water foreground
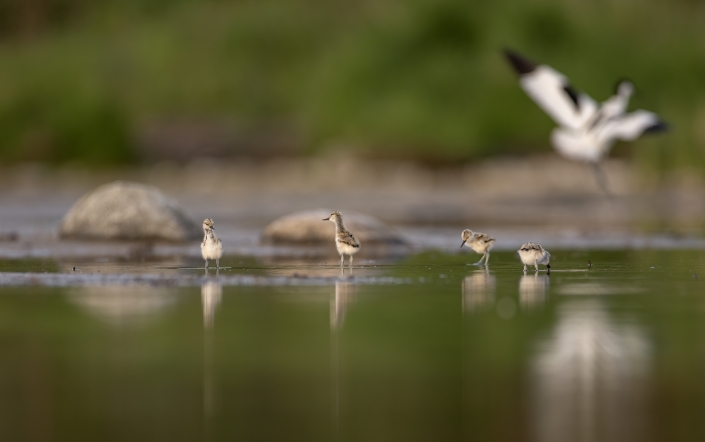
[{"x": 420, "y": 349}]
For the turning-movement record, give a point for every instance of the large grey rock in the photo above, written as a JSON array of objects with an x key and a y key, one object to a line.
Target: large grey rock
[
  {"x": 123, "y": 210},
  {"x": 308, "y": 227}
]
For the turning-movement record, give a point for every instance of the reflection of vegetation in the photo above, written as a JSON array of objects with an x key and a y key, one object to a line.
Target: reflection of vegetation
[
  {"x": 408, "y": 365},
  {"x": 429, "y": 264},
  {"x": 29, "y": 265},
  {"x": 422, "y": 78}
]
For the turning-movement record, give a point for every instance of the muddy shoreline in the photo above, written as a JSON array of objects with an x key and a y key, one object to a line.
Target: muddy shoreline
[{"x": 542, "y": 199}]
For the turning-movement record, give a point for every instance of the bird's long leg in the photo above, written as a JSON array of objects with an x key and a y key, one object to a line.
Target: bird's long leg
[
  {"x": 480, "y": 261},
  {"x": 524, "y": 268},
  {"x": 206, "y": 266},
  {"x": 351, "y": 261},
  {"x": 601, "y": 178},
  {"x": 217, "y": 264},
  {"x": 342, "y": 258},
  {"x": 487, "y": 258},
  {"x": 536, "y": 265}
]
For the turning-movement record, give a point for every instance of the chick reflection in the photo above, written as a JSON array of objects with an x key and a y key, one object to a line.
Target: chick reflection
[
  {"x": 344, "y": 296},
  {"x": 478, "y": 291},
  {"x": 532, "y": 291},
  {"x": 211, "y": 295},
  {"x": 590, "y": 378}
]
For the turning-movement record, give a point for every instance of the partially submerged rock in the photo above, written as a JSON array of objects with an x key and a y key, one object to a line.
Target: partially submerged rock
[
  {"x": 124, "y": 210},
  {"x": 308, "y": 227}
]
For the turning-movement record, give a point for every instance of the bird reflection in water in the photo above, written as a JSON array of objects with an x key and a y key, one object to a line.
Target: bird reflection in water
[
  {"x": 343, "y": 298},
  {"x": 532, "y": 291},
  {"x": 478, "y": 291},
  {"x": 589, "y": 378},
  {"x": 211, "y": 296}
]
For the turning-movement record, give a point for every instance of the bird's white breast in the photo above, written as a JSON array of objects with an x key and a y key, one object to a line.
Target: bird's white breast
[
  {"x": 480, "y": 246},
  {"x": 529, "y": 256},
  {"x": 345, "y": 248},
  {"x": 211, "y": 249},
  {"x": 577, "y": 145}
]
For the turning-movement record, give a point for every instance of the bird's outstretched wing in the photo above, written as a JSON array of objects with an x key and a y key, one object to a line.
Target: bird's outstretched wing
[
  {"x": 551, "y": 90},
  {"x": 630, "y": 126}
]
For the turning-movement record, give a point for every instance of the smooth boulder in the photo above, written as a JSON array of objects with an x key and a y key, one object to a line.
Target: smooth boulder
[
  {"x": 124, "y": 210},
  {"x": 308, "y": 227}
]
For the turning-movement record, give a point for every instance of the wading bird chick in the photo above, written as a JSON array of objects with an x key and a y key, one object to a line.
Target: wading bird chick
[
  {"x": 533, "y": 254},
  {"x": 479, "y": 242},
  {"x": 211, "y": 247},
  {"x": 345, "y": 242}
]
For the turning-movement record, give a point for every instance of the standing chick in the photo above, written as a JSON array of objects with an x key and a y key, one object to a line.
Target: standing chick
[
  {"x": 345, "y": 241},
  {"x": 211, "y": 247},
  {"x": 479, "y": 242},
  {"x": 533, "y": 254}
]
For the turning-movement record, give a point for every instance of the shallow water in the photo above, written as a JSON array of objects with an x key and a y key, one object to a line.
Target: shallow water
[{"x": 614, "y": 352}]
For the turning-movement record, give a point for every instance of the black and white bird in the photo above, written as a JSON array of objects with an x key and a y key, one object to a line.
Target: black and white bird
[{"x": 587, "y": 130}]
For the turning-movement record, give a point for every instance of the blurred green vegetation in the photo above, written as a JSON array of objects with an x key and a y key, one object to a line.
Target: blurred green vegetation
[{"x": 420, "y": 79}]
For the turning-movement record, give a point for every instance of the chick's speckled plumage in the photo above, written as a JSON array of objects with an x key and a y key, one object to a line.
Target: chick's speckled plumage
[
  {"x": 479, "y": 242},
  {"x": 535, "y": 255},
  {"x": 345, "y": 241},
  {"x": 211, "y": 247}
]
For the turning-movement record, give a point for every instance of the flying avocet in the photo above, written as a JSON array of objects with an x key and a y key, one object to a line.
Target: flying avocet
[{"x": 586, "y": 130}]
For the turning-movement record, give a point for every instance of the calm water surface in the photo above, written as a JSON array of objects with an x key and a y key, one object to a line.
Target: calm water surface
[{"x": 615, "y": 352}]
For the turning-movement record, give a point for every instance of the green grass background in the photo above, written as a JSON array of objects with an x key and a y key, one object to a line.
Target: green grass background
[{"x": 419, "y": 79}]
